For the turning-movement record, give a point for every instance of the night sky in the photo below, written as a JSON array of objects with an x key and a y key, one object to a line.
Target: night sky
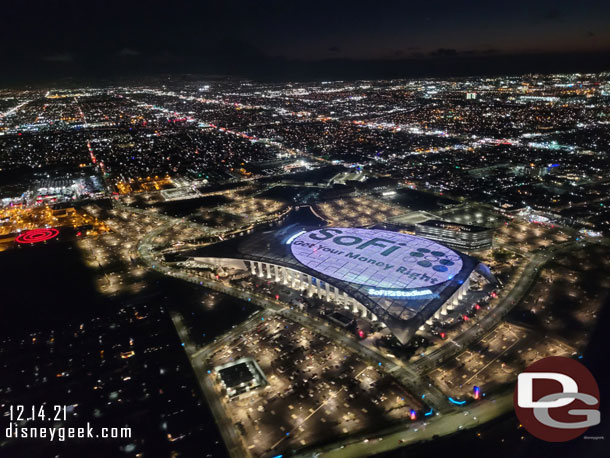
[{"x": 283, "y": 39}]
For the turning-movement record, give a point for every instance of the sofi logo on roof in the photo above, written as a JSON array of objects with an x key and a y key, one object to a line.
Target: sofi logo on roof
[{"x": 376, "y": 258}]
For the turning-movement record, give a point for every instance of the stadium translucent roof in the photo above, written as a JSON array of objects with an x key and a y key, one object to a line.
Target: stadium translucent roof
[{"x": 376, "y": 258}]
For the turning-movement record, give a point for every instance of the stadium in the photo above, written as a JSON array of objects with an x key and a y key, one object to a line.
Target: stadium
[{"x": 400, "y": 280}]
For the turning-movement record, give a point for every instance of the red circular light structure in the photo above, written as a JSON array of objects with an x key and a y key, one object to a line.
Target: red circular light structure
[{"x": 37, "y": 235}]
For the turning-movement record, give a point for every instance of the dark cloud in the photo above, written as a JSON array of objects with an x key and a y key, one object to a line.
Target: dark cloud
[
  {"x": 334, "y": 49},
  {"x": 61, "y": 58},
  {"x": 553, "y": 14},
  {"x": 444, "y": 52},
  {"x": 472, "y": 52},
  {"x": 450, "y": 52},
  {"x": 127, "y": 52}
]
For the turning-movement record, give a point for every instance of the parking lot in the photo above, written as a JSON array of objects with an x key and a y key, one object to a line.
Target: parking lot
[
  {"x": 495, "y": 360},
  {"x": 317, "y": 390},
  {"x": 357, "y": 211},
  {"x": 527, "y": 237},
  {"x": 566, "y": 299}
]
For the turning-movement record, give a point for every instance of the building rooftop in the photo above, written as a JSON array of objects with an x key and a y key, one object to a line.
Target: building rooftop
[
  {"x": 234, "y": 376},
  {"x": 451, "y": 226}
]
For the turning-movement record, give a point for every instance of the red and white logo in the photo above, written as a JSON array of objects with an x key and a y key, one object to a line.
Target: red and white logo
[{"x": 557, "y": 399}]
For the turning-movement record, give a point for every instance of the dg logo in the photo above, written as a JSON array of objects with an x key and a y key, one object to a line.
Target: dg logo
[{"x": 557, "y": 399}]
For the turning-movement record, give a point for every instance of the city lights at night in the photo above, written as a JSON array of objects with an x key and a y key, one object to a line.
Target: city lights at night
[{"x": 310, "y": 230}]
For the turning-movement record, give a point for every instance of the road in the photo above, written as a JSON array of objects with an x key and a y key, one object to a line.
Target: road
[
  {"x": 230, "y": 435},
  {"x": 440, "y": 425}
]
